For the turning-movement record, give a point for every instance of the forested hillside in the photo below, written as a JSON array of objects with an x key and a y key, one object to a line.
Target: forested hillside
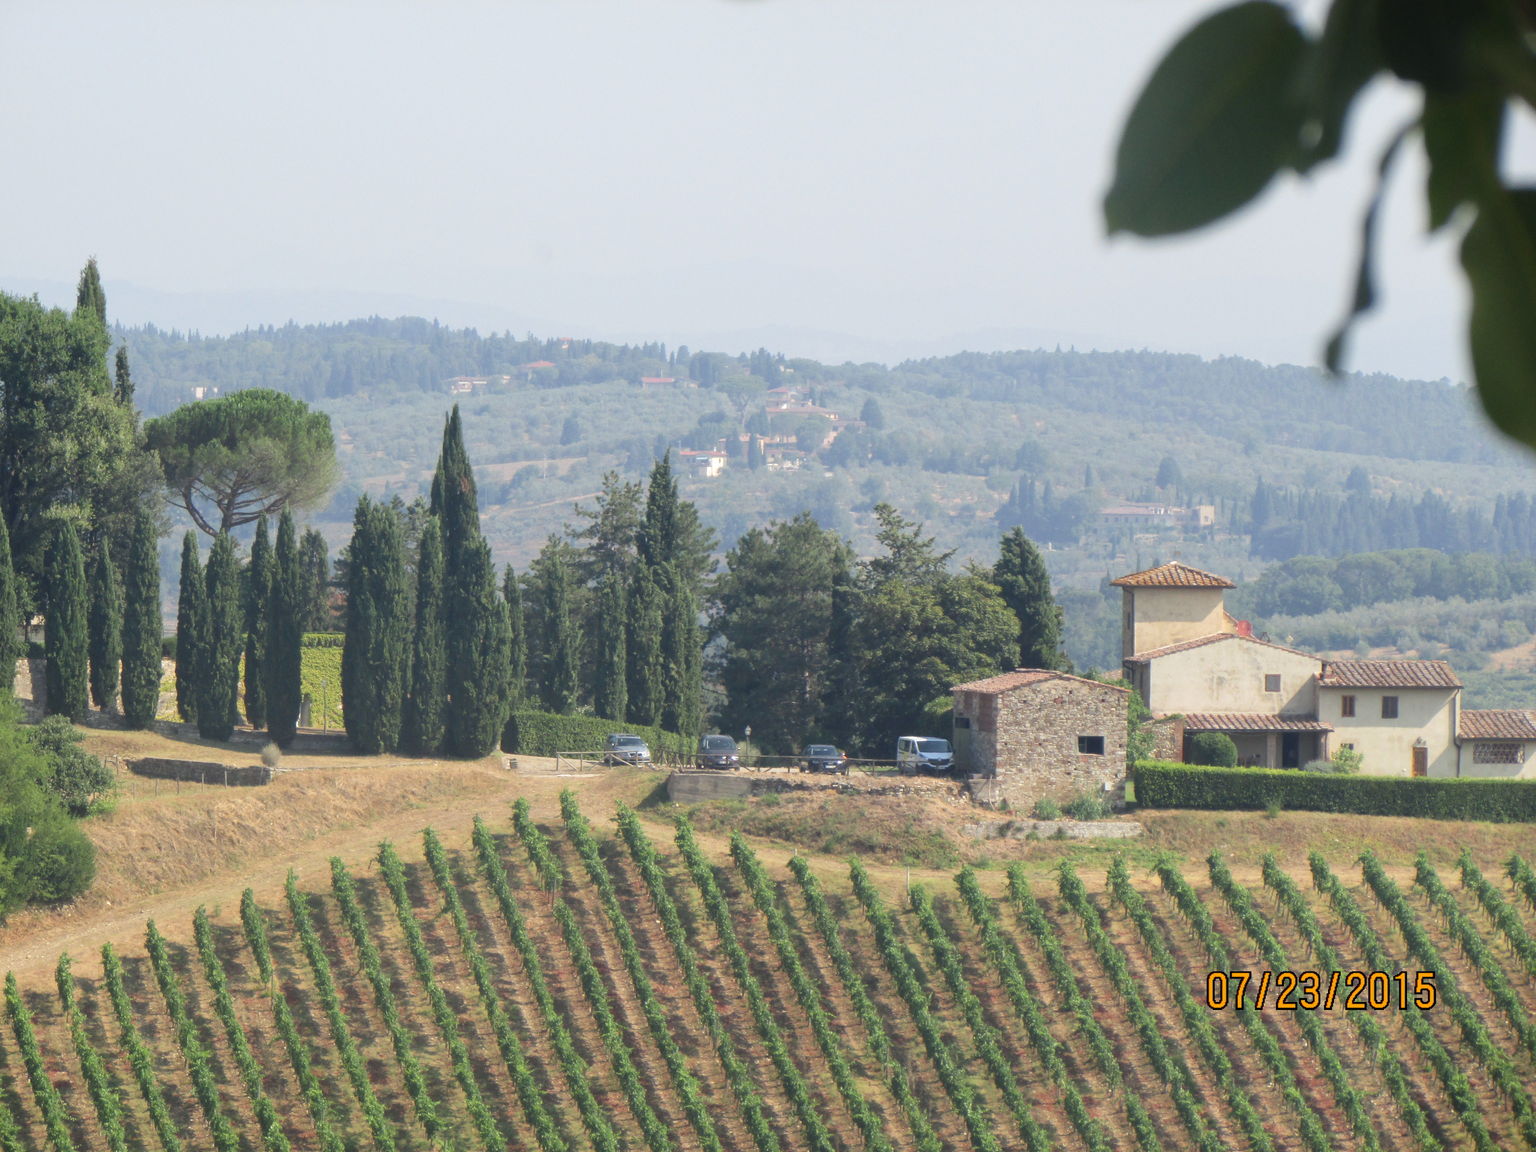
[{"x": 1287, "y": 462}]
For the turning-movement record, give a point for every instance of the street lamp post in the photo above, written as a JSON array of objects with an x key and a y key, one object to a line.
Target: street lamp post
[{"x": 748, "y": 756}]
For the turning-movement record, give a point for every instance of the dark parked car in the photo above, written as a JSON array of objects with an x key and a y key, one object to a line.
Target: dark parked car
[
  {"x": 622, "y": 748},
  {"x": 718, "y": 752},
  {"x": 823, "y": 758}
]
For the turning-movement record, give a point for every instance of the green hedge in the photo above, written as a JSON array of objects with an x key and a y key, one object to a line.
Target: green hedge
[
  {"x": 1160, "y": 784},
  {"x": 323, "y": 640},
  {"x": 545, "y": 733}
]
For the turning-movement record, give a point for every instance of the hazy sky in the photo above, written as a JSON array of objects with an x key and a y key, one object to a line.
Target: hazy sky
[{"x": 829, "y": 177}]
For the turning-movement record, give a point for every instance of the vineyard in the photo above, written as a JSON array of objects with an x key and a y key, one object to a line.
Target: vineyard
[{"x": 566, "y": 987}]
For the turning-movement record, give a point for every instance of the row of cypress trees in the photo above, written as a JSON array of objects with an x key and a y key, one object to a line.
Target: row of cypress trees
[
  {"x": 222, "y": 615},
  {"x": 103, "y": 635},
  {"x": 430, "y": 672}
]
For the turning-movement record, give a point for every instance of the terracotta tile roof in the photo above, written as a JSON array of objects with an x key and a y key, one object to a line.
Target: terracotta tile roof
[
  {"x": 1213, "y": 638},
  {"x": 1251, "y": 722},
  {"x": 1496, "y": 724},
  {"x": 1019, "y": 678},
  {"x": 1387, "y": 674},
  {"x": 1173, "y": 575}
]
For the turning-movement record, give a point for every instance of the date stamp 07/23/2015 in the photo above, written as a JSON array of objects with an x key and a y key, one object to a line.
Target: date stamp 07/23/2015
[{"x": 1354, "y": 991}]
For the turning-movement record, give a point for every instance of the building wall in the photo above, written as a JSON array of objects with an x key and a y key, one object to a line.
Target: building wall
[
  {"x": 1229, "y": 677},
  {"x": 1525, "y": 769},
  {"x": 1155, "y": 617},
  {"x": 1029, "y": 742},
  {"x": 1387, "y": 745}
]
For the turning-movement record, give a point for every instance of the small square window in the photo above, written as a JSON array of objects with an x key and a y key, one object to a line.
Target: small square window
[
  {"x": 1389, "y": 707},
  {"x": 1346, "y": 705},
  {"x": 1271, "y": 683},
  {"x": 1090, "y": 745}
]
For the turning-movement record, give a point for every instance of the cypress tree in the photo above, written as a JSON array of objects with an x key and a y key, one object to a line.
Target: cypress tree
[
  {"x": 314, "y": 583},
  {"x": 105, "y": 620},
  {"x": 375, "y": 656},
  {"x": 517, "y": 648},
  {"x": 427, "y": 711},
  {"x": 90, "y": 299},
  {"x": 844, "y": 679},
  {"x": 643, "y": 648},
  {"x": 680, "y": 662},
  {"x": 67, "y": 640},
  {"x": 562, "y": 639},
  {"x": 285, "y": 606},
  {"x": 658, "y": 537},
  {"x": 610, "y": 698},
  {"x": 218, "y": 696},
  {"x": 258, "y": 591},
  {"x": 1026, "y": 585},
  {"x": 458, "y": 504},
  {"x": 142, "y": 627},
  {"x": 191, "y": 607},
  {"x": 478, "y": 642},
  {"x": 11, "y": 647},
  {"x": 122, "y": 385}
]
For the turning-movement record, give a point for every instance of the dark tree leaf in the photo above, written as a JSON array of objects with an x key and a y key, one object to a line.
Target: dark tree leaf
[
  {"x": 1364, "y": 298},
  {"x": 1461, "y": 136},
  {"x": 1215, "y": 122},
  {"x": 1499, "y": 256},
  {"x": 1340, "y": 64}
]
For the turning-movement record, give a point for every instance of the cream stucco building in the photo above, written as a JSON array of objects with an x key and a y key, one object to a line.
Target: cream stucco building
[{"x": 1283, "y": 707}]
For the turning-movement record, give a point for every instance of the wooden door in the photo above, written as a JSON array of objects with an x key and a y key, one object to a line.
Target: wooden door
[{"x": 1421, "y": 761}]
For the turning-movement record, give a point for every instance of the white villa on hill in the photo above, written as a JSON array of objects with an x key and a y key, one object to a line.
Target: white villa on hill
[{"x": 1188, "y": 656}]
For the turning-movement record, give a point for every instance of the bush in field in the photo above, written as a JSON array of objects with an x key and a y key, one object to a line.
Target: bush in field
[
  {"x": 1046, "y": 809},
  {"x": 1086, "y": 806},
  {"x": 76, "y": 777},
  {"x": 1213, "y": 749}
]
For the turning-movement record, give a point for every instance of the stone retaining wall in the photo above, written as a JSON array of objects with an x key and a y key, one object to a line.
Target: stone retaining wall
[
  {"x": 695, "y": 787},
  {"x": 1049, "y": 829},
  {"x": 201, "y": 771}
]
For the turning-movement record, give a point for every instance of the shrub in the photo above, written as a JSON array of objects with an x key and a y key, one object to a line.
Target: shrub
[
  {"x": 59, "y": 862},
  {"x": 1164, "y": 785},
  {"x": 80, "y": 780},
  {"x": 1320, "y": 766},
  {"x": 1085, "y": 806},
  {"x": 168, "y": 647},
  {"x": 1213, "y": 748},
  {"x": 1347, "y": 760},
  {"x": 1046, "y": 809},
  {"x": 545, "y": 733}
]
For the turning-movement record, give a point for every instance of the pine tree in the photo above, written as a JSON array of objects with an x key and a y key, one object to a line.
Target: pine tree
[
  {"x": 284, "y": 636},
  {"x": 142, "y": 627},
  {"x": 562, "y": 639},
  {"x": 642, "y": 644},
  {"x": 11, "y": 647},
  {"x": 1026, "y": 585},
  {"x": 609, "y": 692},
  {"x": 427, "y": 710},
  {"x": 478, "y": 642},
  {"x": 258, "y": 591},
  {"x": 191, "y": 607},
  {"x": 517, "y": 654},
  {"x": 122, "y": 385},
  {"x": 105, "y": 620},
  {"x": 376, "y": 654},
  {"x": 66, "y": 641},
  {"x": 218, "y": 696}
]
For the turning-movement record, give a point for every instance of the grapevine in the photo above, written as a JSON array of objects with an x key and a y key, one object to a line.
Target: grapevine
[
  {"x": 1503, "y": 916},
  {"x": 139, "y": 1057},
  {"x": 695, "y": 1106},
  {"x": 109, "y": 1109},
  {"x": 47, "y": 1096},
  {"x": 351, "y": 1060},
  {"x": 1005, "y": 958},
  {"x": 1375, "y": 1038}
]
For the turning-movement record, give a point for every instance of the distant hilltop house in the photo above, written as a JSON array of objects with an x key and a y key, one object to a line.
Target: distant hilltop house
[
  {"x": 204, "y": 391},
  {"x": 1283, "y": 707},
  {"x": 1142, "y": 516},
  {"x": 469, "y": 385},
  {"x": 705, "y": 463}
]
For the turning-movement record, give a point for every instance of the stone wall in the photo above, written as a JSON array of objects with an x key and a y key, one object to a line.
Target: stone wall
[
  {"x": 1056, "y": 829},
  {"x": 1167, "y": 738},
  {"x": 201, "y": 771},
  {"x": 30, "y": 687},
  {"x": 1029, "y": 738}
]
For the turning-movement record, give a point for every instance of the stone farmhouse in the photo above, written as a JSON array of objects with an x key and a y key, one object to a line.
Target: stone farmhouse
[
  {"x": 1283, "y": 707},
  {"x": 1038, "y": 733}
]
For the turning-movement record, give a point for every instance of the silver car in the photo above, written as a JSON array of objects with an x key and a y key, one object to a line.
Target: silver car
[{"x": 623, "y": 748}]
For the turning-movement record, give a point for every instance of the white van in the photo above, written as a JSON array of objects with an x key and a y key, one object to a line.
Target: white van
[{"x": 916, "y": 754}]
